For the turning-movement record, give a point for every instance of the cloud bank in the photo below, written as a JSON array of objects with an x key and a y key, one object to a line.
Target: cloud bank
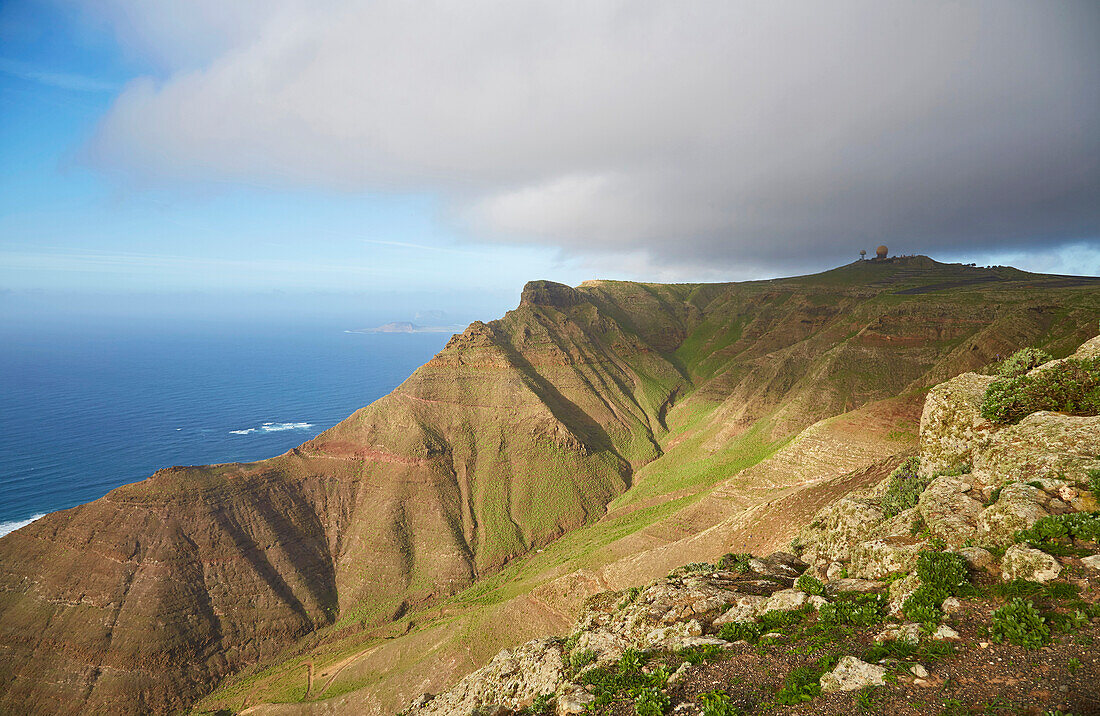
[{"x": 768, "y": 134}]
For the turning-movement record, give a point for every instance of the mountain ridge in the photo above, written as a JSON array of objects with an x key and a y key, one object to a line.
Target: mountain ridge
[{"x": 520, "y": 431}]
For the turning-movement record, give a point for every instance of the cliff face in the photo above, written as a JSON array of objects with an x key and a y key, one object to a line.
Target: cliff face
[{"x": 520, "y": 430}]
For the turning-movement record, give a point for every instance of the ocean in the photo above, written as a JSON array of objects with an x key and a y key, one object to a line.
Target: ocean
[{"x": 84, "y": 409}]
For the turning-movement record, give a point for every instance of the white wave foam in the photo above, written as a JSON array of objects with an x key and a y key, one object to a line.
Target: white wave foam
[
  {"x": 6, "y": 527},
  {"x": 273, "y": 428}
]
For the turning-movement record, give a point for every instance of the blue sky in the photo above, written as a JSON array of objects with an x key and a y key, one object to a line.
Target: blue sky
[{"x": 252, "y": 147}]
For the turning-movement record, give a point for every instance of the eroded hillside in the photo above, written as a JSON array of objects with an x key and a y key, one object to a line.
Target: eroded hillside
[{"x": 601, "y": 423}]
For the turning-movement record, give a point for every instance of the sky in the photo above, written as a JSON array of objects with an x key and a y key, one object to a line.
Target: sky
[{"x": 439, "y": 154}]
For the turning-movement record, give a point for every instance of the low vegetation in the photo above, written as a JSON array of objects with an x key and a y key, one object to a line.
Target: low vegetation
[{"x": 1071, "y": 386}]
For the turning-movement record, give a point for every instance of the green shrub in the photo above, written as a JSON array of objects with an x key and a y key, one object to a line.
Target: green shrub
[
  {"x": 630, "y": 661},
  {"x": 736, "y": 631},
  {"x": 923, "y": 605},
  {"x": 944, "y": 570},
  {"x": 854, "y": 610},
  {"x": 738, "y": 562},
  {"x": 541, "y": 706},
  {"x": 650, "y": 702},
  {"x": 905, "y": 488},
  {"x": 802, "y": 684},
  {"x": 1020, "y": 623},
  {"x": 1094, "y": 483},
  {"x": 581, "y": 659},
  {"x": 698, "y": 654},
  {"x": 716, "y": 703},
  {"x": 1022, "y": 361},
  {"x": 1073, "y": 387},
  {"x": 1051, "y": 529},
  {"x": 810, "y": 584}
]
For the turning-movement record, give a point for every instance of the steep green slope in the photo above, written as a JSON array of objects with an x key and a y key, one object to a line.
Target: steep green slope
[{"x": 519, "y": 431}]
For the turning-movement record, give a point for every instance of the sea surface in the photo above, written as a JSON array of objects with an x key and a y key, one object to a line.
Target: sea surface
[{"x": 84, "y": 409}]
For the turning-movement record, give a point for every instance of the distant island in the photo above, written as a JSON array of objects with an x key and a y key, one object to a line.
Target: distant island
[{"x": 405, "y": 327}]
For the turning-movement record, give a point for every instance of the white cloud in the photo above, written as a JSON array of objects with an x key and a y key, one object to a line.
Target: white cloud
[{"x": 698, "y": 133}]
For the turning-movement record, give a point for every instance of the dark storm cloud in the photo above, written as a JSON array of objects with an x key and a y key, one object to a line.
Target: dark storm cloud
[{"x": 693, "y": 133}]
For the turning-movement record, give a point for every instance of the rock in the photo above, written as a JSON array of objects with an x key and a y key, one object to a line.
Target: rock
[
  {"x": 838, "y": 526},
  {"x": 865, "y": 586},
  {"x": 784, "y": 564},
  {"x": 575, "y": 700},
  {"x": 952, "y": 429},
  {"x": 1044, "y": 445},
  {"x": 976, "y": 557},
  {"x": 674, "y": 636},
  {"x": 744, "y": 608},
  {"x": 422, "y": 700},
  {"x": 1092, "y": 561},
  {"x": 918, "y": 671},
  {"x": 904, "y": 632},
  {"x": 512, "y": 678},
  {"x": 785, "y": 600},
  {"x": 948, "y": 512},
  {"x": 679, "y": 673},
  {"x": 951, "y": 605},
  {"x": 1018, "y": 508},
  {"x": 900, "y": 591},
  {"x": 852, "y": 674},
  {"x": 875, "y": 559},
  {"x": 1021, "y": 562},
  {"x": 944, "y": 632},
  {"x": 834, "y": 570}
]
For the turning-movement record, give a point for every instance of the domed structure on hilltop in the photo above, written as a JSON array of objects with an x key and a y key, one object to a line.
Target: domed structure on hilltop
[{"x": 881, "y": 251}]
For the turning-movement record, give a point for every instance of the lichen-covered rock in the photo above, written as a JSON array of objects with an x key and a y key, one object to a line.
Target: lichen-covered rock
[
  {"x": 909, "y": 633},
  {"x": 575, "y": 700},
  {"x": 851, "y": 584},
  {"x": 944, "y": 632},
  {"x": 837, "y": 527},
  {"x": 1043, "y": 445},
  {"x": 743, "y": 608},
  {"x": 952, "y": 429},
  {"x": 851, "y": 674},
  {"x": 1022, "y": 562},
  {"x": 900, "y": 591},
  {"x": 513, "y": 677},
  {"x": 976, "y": 557},
  {"x": 948, "y": 511},
  {"x": 1018, "y": 507},
  {"x": 875, "y": 559}
]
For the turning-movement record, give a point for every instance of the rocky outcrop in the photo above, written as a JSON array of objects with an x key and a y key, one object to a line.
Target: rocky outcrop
[{"x": 514, "y": 678}]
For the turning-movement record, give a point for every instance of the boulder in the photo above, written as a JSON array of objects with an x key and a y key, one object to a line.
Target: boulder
[
  {"x": 1092, "y": 561},
  {"x": 875, "y": 559},
  {"x": 852, "y": 674},
  {"x": 1043, "y": 445},
  {"x": 1018, "y": 507},
  {"x": 1021, "y": 562},
  {"x": 952, "y": 429},
  {"x": 837, "y": 527},
  {"x": 948, "y": 511}
]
